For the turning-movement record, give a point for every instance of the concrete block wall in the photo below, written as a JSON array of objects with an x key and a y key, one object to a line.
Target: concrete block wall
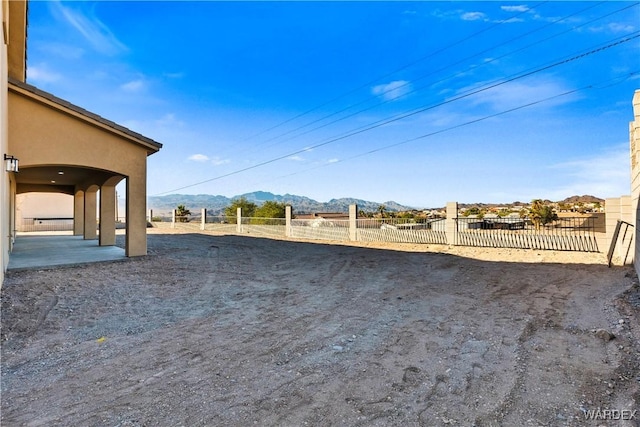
[
  {"x": 634, "y": 148},
  {"x": 619, "y": 209}
]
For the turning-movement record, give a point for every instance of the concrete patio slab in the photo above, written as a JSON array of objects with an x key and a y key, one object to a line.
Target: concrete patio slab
[{"x": 32, "y": 252}]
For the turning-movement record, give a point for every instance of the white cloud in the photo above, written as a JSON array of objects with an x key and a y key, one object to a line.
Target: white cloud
[
  {"x": 516, "y": 94},
  {"x": 169, "y": 120},
  {"x": 613, "y": 27},
  {"x": 199, "y": 158},
  {"x": 92, "y": 29},
  {"x": 392, "y": 90},
  {"x": 473, "y": 16},
  {"x": 604, "y": 175},
  {"x": 218, "y": 161},
  {"x": 519, "y": 8},
  {"x": 511, "y": 20},
  {"x": 177, "y": 75},
  {"x": 61, "y": 50},
  {"x": 296, "y": 158},
  {"x": 40, "y": 74},
  {"x": 333, "y": 160},
  {"x": 616, "y": 27},
  {"x": 133, "y": 86}
]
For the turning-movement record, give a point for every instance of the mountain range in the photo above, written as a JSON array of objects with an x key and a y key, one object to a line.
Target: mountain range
[{"x": 215, "y": 205}]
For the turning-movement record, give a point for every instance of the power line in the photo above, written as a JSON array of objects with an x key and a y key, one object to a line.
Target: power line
[
  {"x": 611, "y": 44},
  {"x": 443, "y": 79},
  {"x": 511, "y": 40},
  {"x": 599, "y": 85},
  {"x": 404, "y": 67}
]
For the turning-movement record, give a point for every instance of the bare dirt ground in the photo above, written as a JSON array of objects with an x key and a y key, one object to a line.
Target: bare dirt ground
[{"x": 222, "y": 330}]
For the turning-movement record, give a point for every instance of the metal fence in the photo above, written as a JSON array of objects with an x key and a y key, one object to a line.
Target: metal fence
[
  {"x": 321, "y": 229},
  {"x": 45, "y": 224},
  {"x": 221, "y": 223},
  {"x": 264, "y": 226},
  {"x": 399, "y": 230},
  {"x": 565, "y": 234}
]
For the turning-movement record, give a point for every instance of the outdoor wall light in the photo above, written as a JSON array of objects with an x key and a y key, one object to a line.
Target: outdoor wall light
[{"x": 11, "y": 163}]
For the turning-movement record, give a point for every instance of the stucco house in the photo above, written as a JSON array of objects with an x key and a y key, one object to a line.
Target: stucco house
[{"x": 58, "y": 147}]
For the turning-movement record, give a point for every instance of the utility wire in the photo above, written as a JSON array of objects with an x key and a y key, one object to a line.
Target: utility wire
[
  {"x": 404, "y": 67},
  {"x": 441, "y": 80},
  {"x": 599, "y": 85},
  {"x": 625, "y": 39},
  {"x": 470, "y": 92},
  {"x": 511, "y": 40}
]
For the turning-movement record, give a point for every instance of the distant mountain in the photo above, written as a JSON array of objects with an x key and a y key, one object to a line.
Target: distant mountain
[
  {"x": 215, "y": 205},
  {"x": 582, "y": 199},
  {"x": 568, "y": 200}
]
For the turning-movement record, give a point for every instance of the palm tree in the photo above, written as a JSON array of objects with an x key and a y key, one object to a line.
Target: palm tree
[{"x": 541, "y": 214}]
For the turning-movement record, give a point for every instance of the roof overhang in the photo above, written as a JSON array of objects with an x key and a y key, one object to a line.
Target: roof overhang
[
  {"x": 15, "y": 29},
  {"x": 62, "y": 106}
]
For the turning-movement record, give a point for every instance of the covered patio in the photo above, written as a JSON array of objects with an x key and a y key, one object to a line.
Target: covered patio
[
  {"x": 65, "y": 149},
  {"x": 59, "y": 249}
]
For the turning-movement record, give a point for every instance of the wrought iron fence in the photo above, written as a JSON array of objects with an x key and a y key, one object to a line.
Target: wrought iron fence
[
  {"x": 402, "y": 230},
  {"x": 263, "y": 226},
  {"x": 45, "y": 224},
  {"x": 320, "y": 228},
  {"x": 565, "y": 234}
]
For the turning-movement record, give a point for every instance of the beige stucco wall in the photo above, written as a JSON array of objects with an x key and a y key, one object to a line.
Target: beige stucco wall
[
  {"x": 44, "y": 205},
  {"x": 16, "y": 27},
  {"x": 4, "y": 143},
  {"x": 42, "y": 135},
  {"x": 634, "y": 143},
  {"x": 45, "y": 133}
]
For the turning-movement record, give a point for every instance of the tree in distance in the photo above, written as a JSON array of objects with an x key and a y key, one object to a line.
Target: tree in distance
[
  {"x": 541, "y": 213},
  {"x": 271, "y": 209},
  {"x": 248, "y": 208},
  {"x": 182, "y": 213}
]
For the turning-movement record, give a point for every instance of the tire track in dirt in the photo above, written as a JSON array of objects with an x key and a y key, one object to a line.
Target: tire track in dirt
[{"x": 223, "y": 330}]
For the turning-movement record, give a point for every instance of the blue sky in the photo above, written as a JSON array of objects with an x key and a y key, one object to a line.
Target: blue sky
[{"x": 416, "y": 102}]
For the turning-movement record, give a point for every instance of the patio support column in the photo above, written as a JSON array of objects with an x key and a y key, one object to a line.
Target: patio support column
[
  {"x": 107, "y": 215},
  {"x": 90, "y": 211},
  {"x": 136, "y": 239},
  {"x": 78, "y": 213}
]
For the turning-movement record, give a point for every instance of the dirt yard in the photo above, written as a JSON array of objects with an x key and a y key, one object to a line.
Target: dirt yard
[{"x": 222, "y": 330}]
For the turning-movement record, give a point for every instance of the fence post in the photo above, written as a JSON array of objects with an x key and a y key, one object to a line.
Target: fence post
[
  {"x": 203, "y": 218},
  {"x": 287, "y": 216},
  {"x": 451, "y": 223},
  {"x": 150, "y": 215},
  {"x": 353, "y": 223},
  {"x": 239, "y": 220},
  {"x": 173, "y": 218}
]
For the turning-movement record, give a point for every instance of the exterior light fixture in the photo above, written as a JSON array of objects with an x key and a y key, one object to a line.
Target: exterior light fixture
[
  {"x": 60, "y": 173},
  {"x": 11, "y": 163}
]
